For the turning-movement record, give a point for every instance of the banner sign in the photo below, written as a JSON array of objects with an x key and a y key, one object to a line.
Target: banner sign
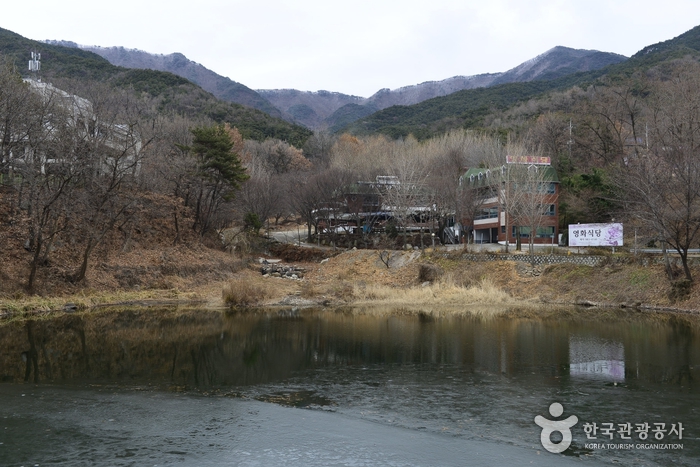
[
  {"x": 529, "y": 160},
  {"x": 595, "y": 234}
]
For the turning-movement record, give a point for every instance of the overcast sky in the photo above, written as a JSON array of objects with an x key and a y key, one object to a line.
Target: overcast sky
[{"x": 354, "y": 47}]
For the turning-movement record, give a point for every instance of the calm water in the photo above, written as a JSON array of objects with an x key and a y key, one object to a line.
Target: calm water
[{"x": 341, "y": 387}]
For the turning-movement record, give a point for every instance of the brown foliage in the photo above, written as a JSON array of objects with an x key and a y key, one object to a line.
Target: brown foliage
[
  {"x": 429, "y": 273},
  {"x": 243, "y": 293},
  {"x": 140, "y": 253}
]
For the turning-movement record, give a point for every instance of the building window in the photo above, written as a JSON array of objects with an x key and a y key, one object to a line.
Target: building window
[
  {"x": 542, "y": 232},
  {"x": 550, "y": 210},
  {"x": 545, "y": 232},
  {"x": 547, "y": 187},
  {"x": 524, "y": 232},
  {"x": 486, "y": 213}
]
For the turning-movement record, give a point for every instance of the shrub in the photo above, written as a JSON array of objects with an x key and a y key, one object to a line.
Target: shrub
[
  {"x": 243, "y": 293},
  {"x": 429, "y": 273},
  {"x": 680, "y": 290}
]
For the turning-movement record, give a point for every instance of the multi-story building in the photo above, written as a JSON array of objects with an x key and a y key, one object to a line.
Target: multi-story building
[{"x": 517, "y": 200}]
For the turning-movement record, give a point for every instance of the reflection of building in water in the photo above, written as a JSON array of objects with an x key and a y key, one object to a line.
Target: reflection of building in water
[{"x": 591, "y": 357}]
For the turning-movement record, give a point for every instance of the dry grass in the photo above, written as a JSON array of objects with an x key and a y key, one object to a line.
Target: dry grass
[
  {"x": 250, "y": 288},
  {"x": 244, "y": 292},
  {"x": 444, "y": 292},
  {"x": 20, "y": 305}
]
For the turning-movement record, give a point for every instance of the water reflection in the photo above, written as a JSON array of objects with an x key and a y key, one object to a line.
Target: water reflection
[
  {"x": 471, "y": 376},
  {"x": 197, "y": 348},
  {"x": 590, "y": 357}
]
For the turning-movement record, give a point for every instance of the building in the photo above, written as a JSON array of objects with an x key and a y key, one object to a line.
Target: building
[
  {"x": 62, "y": 132},
  {"x": 516, "y": 200},
  {"x": 374, "y": 206}
]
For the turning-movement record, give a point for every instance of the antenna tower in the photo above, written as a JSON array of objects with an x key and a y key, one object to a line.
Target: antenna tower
[{"x": 35, "y": 65}]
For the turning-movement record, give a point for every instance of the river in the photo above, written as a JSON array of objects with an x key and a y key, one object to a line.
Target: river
[{"x": 353, "y": 387}]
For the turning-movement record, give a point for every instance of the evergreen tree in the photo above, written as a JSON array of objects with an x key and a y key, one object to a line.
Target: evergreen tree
[{"x": 220, "y": 172}]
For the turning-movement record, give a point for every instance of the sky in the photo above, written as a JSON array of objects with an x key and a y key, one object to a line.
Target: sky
[{"x": 354, "y": 47}]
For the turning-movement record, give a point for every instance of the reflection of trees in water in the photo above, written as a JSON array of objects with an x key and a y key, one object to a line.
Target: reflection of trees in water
[
  {"x": 208, "y": 348},
  {"x": 42, "y": 359},
  {"x": 683, "y": 337},
  {"x": 30, "y": 356},
  {"x": 197, "y": 348}
]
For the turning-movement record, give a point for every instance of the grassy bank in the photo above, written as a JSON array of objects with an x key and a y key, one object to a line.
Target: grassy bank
[
  {"x": 409, "y": 280},
  {"x": 435, "y": 278}
]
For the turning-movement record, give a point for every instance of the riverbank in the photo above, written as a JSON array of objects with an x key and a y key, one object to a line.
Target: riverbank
[
  {"x": 407, "y": 280},
  {"x": 437, "y": 277}
]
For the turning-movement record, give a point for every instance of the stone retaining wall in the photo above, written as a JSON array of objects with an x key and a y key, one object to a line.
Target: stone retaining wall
[{"x": 587, "y": 260}]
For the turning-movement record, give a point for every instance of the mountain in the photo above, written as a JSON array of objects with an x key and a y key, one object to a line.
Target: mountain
[
  {"x": 334, "y": 110},
  {"x": 687, "y": 44},
  {"x": 220, "y": 86},
  {"x": 557, "y": 63},
  {"x": 310, "y": 109},
  {"x": 320, "y": 107},
  {"x": 170, "y": 92},
  {"x": 63, "y": 61},
  {"x": 469, "y": 107}
]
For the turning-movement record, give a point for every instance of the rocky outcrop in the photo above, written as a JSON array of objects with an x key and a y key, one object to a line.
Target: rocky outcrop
[{"x": 283, "y": 270}]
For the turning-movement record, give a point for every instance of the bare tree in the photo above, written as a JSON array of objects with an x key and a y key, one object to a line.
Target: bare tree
[
  {"x": 662, "y": 185},
  {"x": 314, "y": 193},
  {"x": 18, "y": 104},
  {"x": 274, "y": 157},
  {"x": 450, "y": 155},
  {"x": 318, "y": 148},
  {"x": 108, "y": 129},
  {"x": 551, "y": 132},
  {"x": 612, "y": 121},
  {"x": 531, "y": 189},
  {"x": 261, "y": 196},
  {"x": 406, "y": 194},
  {"x": 51, "y": 172}
]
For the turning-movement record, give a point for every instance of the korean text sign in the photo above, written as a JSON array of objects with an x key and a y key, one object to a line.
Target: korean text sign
[{"x": 595, "y": 234}]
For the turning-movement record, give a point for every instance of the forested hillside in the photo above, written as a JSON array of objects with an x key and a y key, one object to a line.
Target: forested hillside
[
  {"x": 475, "y": 108},
  {"x": 171, "y": 92},
  {"x": 334, "y": 111},
  {"x": 220, "y": 86},
  {"x": 100, "y": 163}
]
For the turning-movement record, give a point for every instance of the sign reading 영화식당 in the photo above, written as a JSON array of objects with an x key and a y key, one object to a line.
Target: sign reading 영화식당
[{"x": 595, "y": 234}]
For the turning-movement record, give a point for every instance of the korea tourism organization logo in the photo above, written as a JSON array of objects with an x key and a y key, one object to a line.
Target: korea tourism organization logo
[
  {"x": 608, "y": 435},
  {"x": 549, "y": 427}
]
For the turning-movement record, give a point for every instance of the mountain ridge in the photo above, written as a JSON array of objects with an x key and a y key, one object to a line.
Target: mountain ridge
[
  {"x": 328, "y": 109},
  {"x": 557, "y": 62},
  {"x": 468, "y": 108},
  {"x": 221, "y": 87},
  {"x": 171, "y": 92}
]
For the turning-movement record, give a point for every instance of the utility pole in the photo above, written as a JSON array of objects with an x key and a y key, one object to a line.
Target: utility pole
[{"x": 570, "y": 142}]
